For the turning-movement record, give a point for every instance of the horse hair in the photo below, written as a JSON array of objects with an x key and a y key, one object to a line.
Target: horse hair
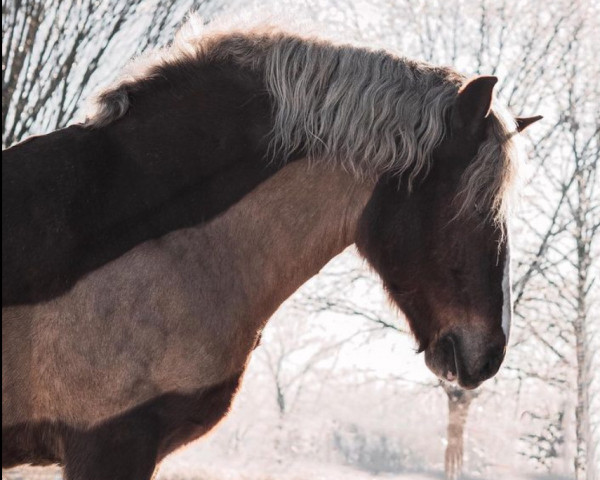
[{"x": 369, "y": 111}]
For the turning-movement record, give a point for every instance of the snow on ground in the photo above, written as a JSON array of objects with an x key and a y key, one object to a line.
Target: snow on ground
[
  {"x": 304, "y": 472},
  {"x": 319, "y": 471}
]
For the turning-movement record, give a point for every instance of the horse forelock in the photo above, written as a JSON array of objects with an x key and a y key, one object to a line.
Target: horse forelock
[
  {"x": 369, "y": 111},
  {"x": 488, "y": 183}
]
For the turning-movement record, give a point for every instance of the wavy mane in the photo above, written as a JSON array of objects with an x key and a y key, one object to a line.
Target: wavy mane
[{"x": 368, "y": 110}]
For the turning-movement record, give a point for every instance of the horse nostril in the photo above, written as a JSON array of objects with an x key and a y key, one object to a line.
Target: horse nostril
[
  {"x": 446, "y": 347},
  {"x": 487, "y": 368},
  {"x": 491, "y": 366}
]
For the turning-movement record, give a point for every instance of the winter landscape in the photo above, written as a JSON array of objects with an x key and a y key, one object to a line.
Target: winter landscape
[{"x": 336, "y": 389}]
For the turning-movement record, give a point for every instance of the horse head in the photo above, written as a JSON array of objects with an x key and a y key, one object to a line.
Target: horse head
[{"x": 441, "y": 243}]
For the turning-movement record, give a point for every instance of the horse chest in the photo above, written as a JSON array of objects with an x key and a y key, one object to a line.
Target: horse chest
[
  {"x": 138, "y": 344},
  {"x": 138, "y": 328}
]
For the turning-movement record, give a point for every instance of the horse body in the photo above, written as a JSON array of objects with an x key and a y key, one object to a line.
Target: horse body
[
  {"x": 91, "y": 195},
  {"x": 144, "y": 252},
  {"x": 180, "y": 314}
]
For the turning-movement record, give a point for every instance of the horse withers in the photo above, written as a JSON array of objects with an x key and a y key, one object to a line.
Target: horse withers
[{"x": 144, "y": 250}]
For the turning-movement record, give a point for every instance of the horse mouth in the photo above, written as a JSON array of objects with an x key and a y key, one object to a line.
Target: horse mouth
[
  {"x": 442, "y": 359},
  {"x": 466, "y": 361}
]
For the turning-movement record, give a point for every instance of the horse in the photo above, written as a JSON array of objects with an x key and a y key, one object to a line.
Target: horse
[{"x": 144, "y": 249}]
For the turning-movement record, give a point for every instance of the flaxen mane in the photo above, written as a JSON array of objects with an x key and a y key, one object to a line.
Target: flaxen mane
[{"x": 370, "y": 111}]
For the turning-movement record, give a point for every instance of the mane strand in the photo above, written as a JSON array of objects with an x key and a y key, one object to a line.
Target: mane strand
[{"x": 368, "y": 111}]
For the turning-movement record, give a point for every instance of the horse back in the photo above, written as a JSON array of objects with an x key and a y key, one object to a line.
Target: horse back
[{"x": 78, "y": 198}]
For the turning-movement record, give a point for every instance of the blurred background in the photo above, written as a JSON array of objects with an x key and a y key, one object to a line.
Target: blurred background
[{"x": 336, "y": 390}]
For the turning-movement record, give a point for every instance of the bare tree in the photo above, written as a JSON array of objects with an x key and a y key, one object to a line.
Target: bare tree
[
  {"x": 55, "y": 52},
  {"x": 583, "y": 212},
  {"x": 545, "y": 65}
]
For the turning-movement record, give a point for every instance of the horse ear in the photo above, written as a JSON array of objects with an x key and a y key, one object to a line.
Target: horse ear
[
  {"x": 473, "y": 102},
  {"x": 524, "y": 122}
]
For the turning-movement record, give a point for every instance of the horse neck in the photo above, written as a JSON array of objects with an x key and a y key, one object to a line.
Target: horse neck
[{"x": 281, "y": 234}]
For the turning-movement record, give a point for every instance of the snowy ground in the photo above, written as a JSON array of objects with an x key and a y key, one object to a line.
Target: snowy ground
[
  {"x": 305, "y": 472},
  {"x": 308, "y": 471}
]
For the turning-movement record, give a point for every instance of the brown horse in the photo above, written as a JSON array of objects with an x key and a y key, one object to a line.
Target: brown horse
[{"x": 144, "y": 250}]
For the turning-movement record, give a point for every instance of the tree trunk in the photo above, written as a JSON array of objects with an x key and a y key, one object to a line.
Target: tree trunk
[
  {"x": 459, "y": 401},
  {"x": 583, "y": 354}
]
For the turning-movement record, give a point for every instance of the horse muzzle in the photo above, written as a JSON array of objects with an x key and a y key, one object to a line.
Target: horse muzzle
[{"x": 466, "y": 357}]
